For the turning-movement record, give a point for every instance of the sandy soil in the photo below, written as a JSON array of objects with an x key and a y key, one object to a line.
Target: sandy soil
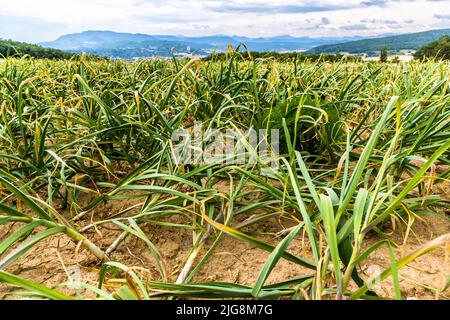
[{"x": 57, "y": 259}]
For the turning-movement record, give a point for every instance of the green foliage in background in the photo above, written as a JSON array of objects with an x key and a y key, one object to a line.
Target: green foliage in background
[
  {"x": 439, "y": 49},
  {"x": 13, "y": 48}
]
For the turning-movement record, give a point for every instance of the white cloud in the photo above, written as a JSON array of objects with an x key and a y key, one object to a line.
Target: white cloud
[{"x": 46, "y": 19}]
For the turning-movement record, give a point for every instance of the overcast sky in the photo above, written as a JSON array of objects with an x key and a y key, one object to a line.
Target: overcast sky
[{"x": 43, "y": 20}]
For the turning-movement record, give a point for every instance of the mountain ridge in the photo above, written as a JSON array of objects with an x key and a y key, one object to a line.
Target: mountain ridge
[
  {"x": 135, "y": 45},
  {"x": 131, "y": 45}
]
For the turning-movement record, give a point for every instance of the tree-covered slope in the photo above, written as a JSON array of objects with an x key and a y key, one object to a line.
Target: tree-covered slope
[
  {"x": 439, "y": 49},
  {"x": 411, "y": 41},
  {"x": 12, "y": 48}
]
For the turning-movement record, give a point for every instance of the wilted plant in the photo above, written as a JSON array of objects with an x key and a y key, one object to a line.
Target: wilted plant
[{"x": 360, "y": 144}]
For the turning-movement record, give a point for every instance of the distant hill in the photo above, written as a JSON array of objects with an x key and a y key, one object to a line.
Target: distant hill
[
  {"x": 410, "y": 41},
  {"x": 439, "y": 49},
  {"x": 14, "y": 48},
  {"x": 128, "y": 45}
]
